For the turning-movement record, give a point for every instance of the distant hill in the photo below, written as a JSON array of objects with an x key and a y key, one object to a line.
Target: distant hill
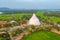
[
  {"x": 3, "y": 9},
  {"x": 8, "y": 10}
]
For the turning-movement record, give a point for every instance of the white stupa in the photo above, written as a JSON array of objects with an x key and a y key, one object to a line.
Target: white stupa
[{"x": 34, "y": 20}]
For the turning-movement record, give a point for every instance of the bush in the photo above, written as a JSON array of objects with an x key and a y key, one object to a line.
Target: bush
[
  {"x": 0, "y": 26},
  {"x": 4, "y": 36},
  {"x": 58, "y": 28},
  {"x": 16, "y": 32}
]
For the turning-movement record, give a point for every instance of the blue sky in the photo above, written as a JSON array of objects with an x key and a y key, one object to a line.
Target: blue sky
[{"x": 30, "y": 4}]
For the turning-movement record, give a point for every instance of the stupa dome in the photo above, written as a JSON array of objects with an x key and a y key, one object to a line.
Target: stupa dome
[{"x": 34, "y": 20}]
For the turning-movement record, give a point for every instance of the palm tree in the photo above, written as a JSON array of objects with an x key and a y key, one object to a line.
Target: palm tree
[{"x": 23, "y": 21}]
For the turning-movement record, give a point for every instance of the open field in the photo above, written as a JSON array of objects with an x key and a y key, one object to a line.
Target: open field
[
  {"x": 42, "y": 35},
  {"x": 4, "y": 17},
  {"x": 51, "y": 16},
  {"x": 42, "y": 15}
]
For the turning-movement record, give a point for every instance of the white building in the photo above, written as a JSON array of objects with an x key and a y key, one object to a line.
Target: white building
[
  {"x": 12, "y": 21},
  {"x": 1, "y": 12},
  {"x": 34, "y": 20},
  {"x": 58, "y": 25}
]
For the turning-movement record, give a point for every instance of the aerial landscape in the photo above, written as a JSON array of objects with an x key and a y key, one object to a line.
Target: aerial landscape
[{"x": 29, "y": 20}]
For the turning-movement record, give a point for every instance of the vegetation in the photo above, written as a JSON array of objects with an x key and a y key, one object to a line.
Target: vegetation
[
  {"x": 47, "y": 18},
  {"x": 42, "y": 35},
  {"x": 53, "y": 16},
  {"x": 4, "y": 36},
  {"x": 16, "y": 32}
]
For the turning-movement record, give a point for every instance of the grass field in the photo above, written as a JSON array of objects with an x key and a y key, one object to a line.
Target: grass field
[
  {"x": 18, "y": 16},
  {"x": 53, "y": 18},
  {"x": 42, "y": 35},
  {"x": 4, "y": 17}
]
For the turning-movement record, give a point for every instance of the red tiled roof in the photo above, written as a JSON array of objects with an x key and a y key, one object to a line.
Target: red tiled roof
[{"x": 3, "y": 23}]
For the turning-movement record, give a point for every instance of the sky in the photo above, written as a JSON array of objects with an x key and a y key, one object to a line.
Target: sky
[{"x": 30, "y": 4}]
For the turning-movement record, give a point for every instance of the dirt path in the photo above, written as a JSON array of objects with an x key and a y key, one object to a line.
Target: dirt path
[
  {"x": 55, "y": 31},
  {"x": 19, "y": 37}
]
